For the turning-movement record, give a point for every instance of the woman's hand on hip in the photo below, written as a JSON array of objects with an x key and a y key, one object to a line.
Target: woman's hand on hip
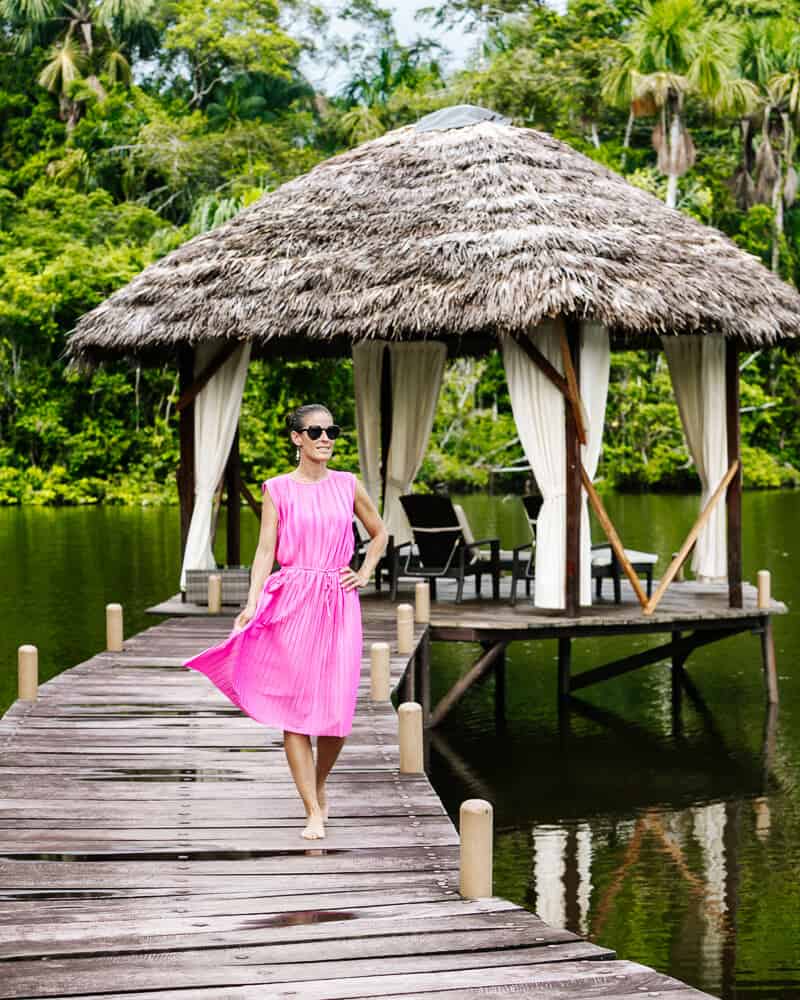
[{"x": 350, "y": 580}]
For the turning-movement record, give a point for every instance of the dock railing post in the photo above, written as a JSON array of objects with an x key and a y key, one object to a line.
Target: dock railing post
[
  {"x": 475, "y": 830},
  {"x": 767, "y": 639},
  {"x": 214, "y": 593},
  {"x": 379, "y": 671},
  {"x": 405, "y": 645},
  {"x": 114, "y": 628},
  {"x": 409, "y": 736},
  {"x": 27, "y": 672},
  {"x": 422, "y": 602}
]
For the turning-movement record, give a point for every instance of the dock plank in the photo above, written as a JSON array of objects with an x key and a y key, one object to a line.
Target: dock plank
[{"x": 150, "y": 848}]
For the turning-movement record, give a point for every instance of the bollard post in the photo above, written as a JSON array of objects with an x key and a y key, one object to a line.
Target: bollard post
[
  {"x": 379, "y": 671},
  {"x": 114, "y": 628},
  {"x": 475, "y": 831},
  {"x": 214, "y": 593},
  {"x": 764, "y": 596},
  {"x": 405, "y": 628},
  {"x": 422, "y": 602},
  {"x": 27, "y": 672},
  {"x": 409, "y": 724}
]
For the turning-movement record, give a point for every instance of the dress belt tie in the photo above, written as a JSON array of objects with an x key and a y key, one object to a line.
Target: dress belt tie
[{"x": 330, "y": 576}]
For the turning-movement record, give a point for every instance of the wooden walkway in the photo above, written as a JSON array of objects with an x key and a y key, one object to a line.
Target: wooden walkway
[{"x": 150, "y": 848}]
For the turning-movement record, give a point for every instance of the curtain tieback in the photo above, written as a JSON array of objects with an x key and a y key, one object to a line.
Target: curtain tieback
[{"x": 401, "y": 485}]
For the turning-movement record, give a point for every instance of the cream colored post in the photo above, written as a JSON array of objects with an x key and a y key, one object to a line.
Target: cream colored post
[
  {"x": 409, "y": 724},
  {"x": 475, "y": 830},
  {"x": 405, "y": 628},
  {"x": 680, "y": 576},
  {"x": 114, "y": 628},
  {"x": 27, "y": 672},
  {"x": 379, "y": 671},
  {"x": 764, "y": 598},
  {"x": 422, "y": 599},
  {"x": 214, "y": 593}
]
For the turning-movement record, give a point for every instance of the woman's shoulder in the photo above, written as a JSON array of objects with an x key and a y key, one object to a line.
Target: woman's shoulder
[{"x": 274, "y": 483}]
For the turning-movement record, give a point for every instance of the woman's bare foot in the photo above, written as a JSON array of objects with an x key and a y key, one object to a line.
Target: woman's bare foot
[
  {"x": 314, "y": 829},
  {"x": 323, "y": 801}
]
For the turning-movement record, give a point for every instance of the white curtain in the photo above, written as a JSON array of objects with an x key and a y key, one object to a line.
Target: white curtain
[
  {"x": 216, "y": 417},
  {"x": 595, "y": 366},
  {"x": 417, "y": 370},
  {"x": 367, "y": 363},
  {"x": 697, "y": 369},
  {"x": 538, "y": 408}
]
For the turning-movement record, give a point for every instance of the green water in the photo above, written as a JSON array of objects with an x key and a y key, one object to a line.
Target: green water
[{"x": 673, "y": 839}]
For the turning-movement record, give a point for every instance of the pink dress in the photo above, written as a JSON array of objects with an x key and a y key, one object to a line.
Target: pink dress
[{"x": 297, "y": 663}]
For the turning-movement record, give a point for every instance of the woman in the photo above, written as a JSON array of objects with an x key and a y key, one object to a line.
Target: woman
[{"x": 293, "y": 657}]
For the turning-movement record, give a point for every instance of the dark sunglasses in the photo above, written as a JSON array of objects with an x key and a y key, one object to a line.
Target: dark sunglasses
[{"x": 314, "y": 431}]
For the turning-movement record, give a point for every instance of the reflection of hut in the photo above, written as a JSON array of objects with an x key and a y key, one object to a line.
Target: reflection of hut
[{"x": 458, "y": 235}]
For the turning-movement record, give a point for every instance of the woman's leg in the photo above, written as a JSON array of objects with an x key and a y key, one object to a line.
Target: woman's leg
[
  {"x": 300, "y": 756},
  {"x": 328, "y": 748}
]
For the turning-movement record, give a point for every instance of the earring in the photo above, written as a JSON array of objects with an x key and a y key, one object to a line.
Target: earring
[{"x": 297, "y": 454}]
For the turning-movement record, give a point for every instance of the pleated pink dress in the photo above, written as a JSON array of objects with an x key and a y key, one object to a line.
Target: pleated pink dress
[{"x": 296, "y": 664}]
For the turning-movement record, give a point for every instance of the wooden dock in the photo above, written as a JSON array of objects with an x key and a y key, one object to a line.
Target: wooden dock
[{"x": 151, "y": 849}]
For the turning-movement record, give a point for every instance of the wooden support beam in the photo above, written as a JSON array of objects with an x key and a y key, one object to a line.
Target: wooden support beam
[
  {"x": 691, "y": 538},
  {"x": 386, "y": 422},
  {"x": 572, "y": 575},
  {"x": 462, "y": 685},
  {"x": 185, "y": 471},
  {"x": 564, "y": 667},
  {"x": 254, "y": 505},
  {"x": 675, "y": 649},
  {"x": 194, "y": 386},
  {"x": 613, "y": 538},
  {"x": 768, "y": 656},
  {"x": 542, "y": 363},
  {"x": 733, "y": 497},
  {"x": 573, "y": 392},
  {"x": 233, "y": 478}
]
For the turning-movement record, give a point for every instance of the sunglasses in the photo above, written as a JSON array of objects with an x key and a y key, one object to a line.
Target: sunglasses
[{"x": 314, "y": 431}]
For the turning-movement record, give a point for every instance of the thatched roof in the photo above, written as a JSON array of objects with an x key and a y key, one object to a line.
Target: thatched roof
[{"x": 453, "y": 233}]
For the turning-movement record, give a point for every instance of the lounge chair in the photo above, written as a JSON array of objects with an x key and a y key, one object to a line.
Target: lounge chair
[
  {"x": 522, "y": 567},
  {"x": 605, "y": 564},
  {"x": 442, "y": 550}
]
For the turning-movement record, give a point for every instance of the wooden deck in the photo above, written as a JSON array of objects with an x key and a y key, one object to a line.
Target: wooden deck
[{"x": 151, "y": 848}]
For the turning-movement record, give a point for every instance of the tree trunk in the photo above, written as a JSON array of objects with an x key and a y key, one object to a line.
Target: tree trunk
[
  {"x": 672, "y": 177},
  {"x": 777, "y": 208}
]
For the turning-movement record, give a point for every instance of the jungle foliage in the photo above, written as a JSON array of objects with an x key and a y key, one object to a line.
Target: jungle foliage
[{"x": 127, "y": 126}]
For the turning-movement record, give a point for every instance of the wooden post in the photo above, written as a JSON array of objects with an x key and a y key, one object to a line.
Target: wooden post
[
  {"x": 386, "y": 421},
  {"x": 114, "y": 628},
  {"x": 422, "y": 602},
  {"x": 409, "y": 724},
  {"x": 564, "y": 668},
  {"x": 214, "y": 593},
  {"x": 733, "y": 497},
  {"x": 573, "y": 484},
  {"x": 424, "y": 670},
  {"x": 186, "y": 442},
  {"x": 27, "y": 672},
  {"x": 764, "y": 596},
  {"x": 405, "y": 628},
  {"x": 475, "y": 831},
  {"x": 768, "y": 656},
  {"x": 379, "y": 671},
  {"x": 233, "y": 480}
]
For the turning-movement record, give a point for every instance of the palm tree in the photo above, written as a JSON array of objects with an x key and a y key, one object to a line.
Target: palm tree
[
  {"x": 770, "y": 58},
  {"x": 674, "y": 50},
  {"x": 85, "y": 38}
]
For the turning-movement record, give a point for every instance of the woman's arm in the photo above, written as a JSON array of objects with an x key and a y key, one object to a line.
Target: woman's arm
[
  {"x": 263, "y": 559},
  {"x": 366, "y": 512}
]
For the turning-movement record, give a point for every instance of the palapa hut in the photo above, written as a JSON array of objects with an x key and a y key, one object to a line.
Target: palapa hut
[{"x": 462, "y": 234}]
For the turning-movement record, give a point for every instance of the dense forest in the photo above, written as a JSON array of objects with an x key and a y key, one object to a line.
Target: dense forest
[{"x": 127, "y": 126}]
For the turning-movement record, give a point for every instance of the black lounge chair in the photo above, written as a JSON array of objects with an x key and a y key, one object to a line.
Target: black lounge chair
[
  {"x": 605, "y": 564},
  {"x": 442, "y": 551}
]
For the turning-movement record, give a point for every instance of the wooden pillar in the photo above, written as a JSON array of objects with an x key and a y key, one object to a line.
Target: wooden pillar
[
  {"x": 386, "y": 420},
  {"x": 564, "y": 668},
  {"x": 233, "y": 484},
  {"x": 573, "y": 484},
  {"x": 733, "y": 497},
  {"x": 186, "y": 442}
]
